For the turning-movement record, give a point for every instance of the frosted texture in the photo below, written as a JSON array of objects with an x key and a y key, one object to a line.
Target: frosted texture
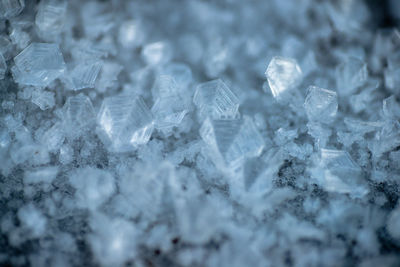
[
  {"x": 11, "y": 8},
  {"x": 232, "y": 140},
  {"x": 156, "y": 53},
  {"x": 200, "y": 133},
  {"x": 39, "y": 64}
]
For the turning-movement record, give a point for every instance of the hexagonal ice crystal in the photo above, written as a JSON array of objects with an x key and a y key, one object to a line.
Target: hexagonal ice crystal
[
  {"x": 169, "y": 111},
  {"x": 283, "y": 75},
  {"x": 320, "y": 104},
  {"x": 170, "y": 104},
  {"x": 214, "y": 99},
  {"x": 83, "y": 76},
  {"x": 124, "y": 122},
  {"x": 39, "y": 64},
  {"x": 232, "y": 140}
]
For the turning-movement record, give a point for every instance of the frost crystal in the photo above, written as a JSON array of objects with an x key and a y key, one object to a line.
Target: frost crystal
[
  {"x": 214, "y": 99},
  {"x": 83, "y": 76},
  {"x": 78, "y": 114},
  {"x": 43, "y": 99},
  {"x": 171, "y": 103},
  {"x": 350, "y": 75},
  {"x": 39, "y": 64},
  {"x": 320, "y": 104},
  {"x": 232, "y": 140},
  {"x": 200, "y": 133},
  {"x": 283, "y": 75},
  {"x": 51, "y": 16},
  {"x": 11, "y": 8},
  {"x": 341, "y": 174},
  {"x": 125, "y": 122}
]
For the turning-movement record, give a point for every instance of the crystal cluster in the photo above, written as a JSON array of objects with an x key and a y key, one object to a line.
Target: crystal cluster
[{"x": 200, "y": 133}]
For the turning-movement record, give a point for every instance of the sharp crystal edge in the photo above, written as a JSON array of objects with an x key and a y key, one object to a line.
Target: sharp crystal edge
[{"x": 199, "y": 133}]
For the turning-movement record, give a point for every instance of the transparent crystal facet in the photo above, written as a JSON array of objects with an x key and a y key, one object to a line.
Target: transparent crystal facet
[
  {"x": 38, "y": 64},
  {"x": 170, "y": 105},
  {"x": 232, "y": 140},
  {"x": 320, "y": 104},
  {"x": 84, "y": 75},
  {"x": 337, "y": 159},
  {"x": 125, "y": 121},
  {"x": 214, "y": 99},
  {"x": 164, "y": 85},
  {"x": 341, "y": 174},
  {"x": 54, "y": 137},
  {"x": 283, "y": 75},
  {"x": 78, "y": 113},
  {"x": 169, "y": 112},
  {"x": 181, "y": 73},
  {"x": 43, "y": 99},
  {"x": 350, "y": 75}
]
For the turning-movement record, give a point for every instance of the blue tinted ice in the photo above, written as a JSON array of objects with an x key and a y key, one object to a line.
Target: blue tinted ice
[
  {"x": 214, "y": 99},
  {"x": 124, "y": 122},
  {"x": 78, "y": 114},
  {"x": 51, "y": 16},
  {"x": 350, "y": 75},
  {"x": 39, "y": 64},
  {"x": 3, "y": 67},
  {"x": 320, "y": 104},
  {"x": 283, "y": 75},
  {"x": 11, "y": 8},
  {"x": 232, "y": 140}
]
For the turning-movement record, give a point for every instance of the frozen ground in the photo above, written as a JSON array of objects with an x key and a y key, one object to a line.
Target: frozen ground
[{"x": 199, "y": 133}]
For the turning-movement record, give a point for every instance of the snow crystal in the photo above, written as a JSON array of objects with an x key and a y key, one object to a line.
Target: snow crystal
[
  {"x": 125, "y": 121},
  {"x": 38, "y": 64},
  {"x": 199, "y": 133},
  {"x": 283, "y": 75},
  {"x": 216, "y": 100},
  {"x": 320, "y": 104}
]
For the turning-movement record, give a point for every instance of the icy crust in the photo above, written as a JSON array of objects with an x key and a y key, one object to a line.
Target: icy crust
[{"x": 199, "y": 133}]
